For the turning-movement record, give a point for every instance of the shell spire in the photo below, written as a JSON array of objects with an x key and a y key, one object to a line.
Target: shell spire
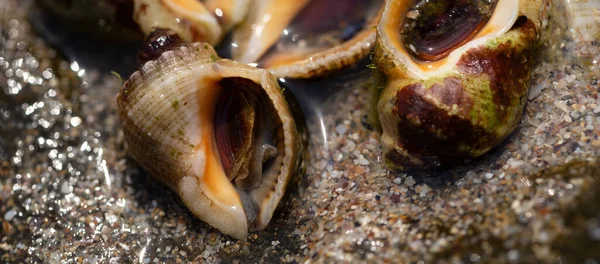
[{"x": 191, "y": 19}]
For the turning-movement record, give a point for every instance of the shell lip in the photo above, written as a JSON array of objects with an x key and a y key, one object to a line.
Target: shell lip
[
  {"x": 329, "y": 60},
  {"x": 502, "y": 20}
]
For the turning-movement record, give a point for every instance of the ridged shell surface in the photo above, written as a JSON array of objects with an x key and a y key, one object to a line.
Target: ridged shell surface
[{"x": 164, "y": 108}]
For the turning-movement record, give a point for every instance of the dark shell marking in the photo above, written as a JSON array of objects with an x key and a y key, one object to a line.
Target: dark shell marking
[
  {"x": 428, "y": 129},
  {"x": 157, "y": 42},
  {"x": 451, "y": 92},
  {"x": 506, "y": 68}
]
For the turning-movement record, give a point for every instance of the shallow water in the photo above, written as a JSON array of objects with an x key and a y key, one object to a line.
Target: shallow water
[{"x": 70, "y": 194}]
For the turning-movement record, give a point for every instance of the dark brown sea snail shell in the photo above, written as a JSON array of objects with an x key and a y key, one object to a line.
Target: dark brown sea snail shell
[{"x": 447, "y": 102}]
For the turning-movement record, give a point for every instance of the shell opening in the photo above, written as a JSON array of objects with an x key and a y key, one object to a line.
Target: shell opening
[
  {"x": 249, "y": 140},
  {"x": 433, "y": 29},
  {"x": 446, "y": 55}
]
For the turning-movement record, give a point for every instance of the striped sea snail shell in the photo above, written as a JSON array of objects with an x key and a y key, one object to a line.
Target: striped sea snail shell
[{"x": 221, "y": 134}]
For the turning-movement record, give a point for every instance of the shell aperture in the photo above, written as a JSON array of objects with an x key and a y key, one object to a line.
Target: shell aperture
[
  {"x": 432, "y": 29},
  {"x": 290, "y": 38},
  {"x": 266, "y": 21},
  {"x": 246, "y": 132},
  {"x": 502, "y": 20}
]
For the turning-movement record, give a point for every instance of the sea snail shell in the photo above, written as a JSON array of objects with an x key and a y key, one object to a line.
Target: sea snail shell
[
  {"x": 219, "y": 133},
  {"x": 287, "y": 37},
  {"x": 463, "y": 98}
]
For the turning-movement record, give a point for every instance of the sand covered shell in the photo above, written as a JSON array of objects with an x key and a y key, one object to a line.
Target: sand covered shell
[
  {"x": 219, "y": 133},
  {"x": 467, "y": 94}
]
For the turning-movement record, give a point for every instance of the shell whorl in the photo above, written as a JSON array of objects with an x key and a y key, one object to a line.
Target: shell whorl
[{"x": 148, "y": 111}]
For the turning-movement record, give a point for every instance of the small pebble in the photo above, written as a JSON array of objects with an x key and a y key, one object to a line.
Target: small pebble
[
  {"x": 513, "y": 255},
  {"x": 535, "y": 91},
  {"x": 409, "y": 181},
  {"x": 340, "y": 129},
  {"x": 515, "y": 163},
  {"x": 9, "y": 215},
  {"x": 65, "y": 187},
  {"x": 413, "y": 14},
  {"x": 424, "y": 190},
  {"x": 562, "y": 106},
  {"x": 361, "y": 161}
]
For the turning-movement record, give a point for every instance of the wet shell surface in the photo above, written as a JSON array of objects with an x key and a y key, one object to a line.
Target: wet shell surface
[
  {"x": 219, "y": 133},
  {"x": 453, "y": 77}
]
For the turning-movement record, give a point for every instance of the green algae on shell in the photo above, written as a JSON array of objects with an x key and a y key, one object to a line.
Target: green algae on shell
[{"x": 459, "y": 106}]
